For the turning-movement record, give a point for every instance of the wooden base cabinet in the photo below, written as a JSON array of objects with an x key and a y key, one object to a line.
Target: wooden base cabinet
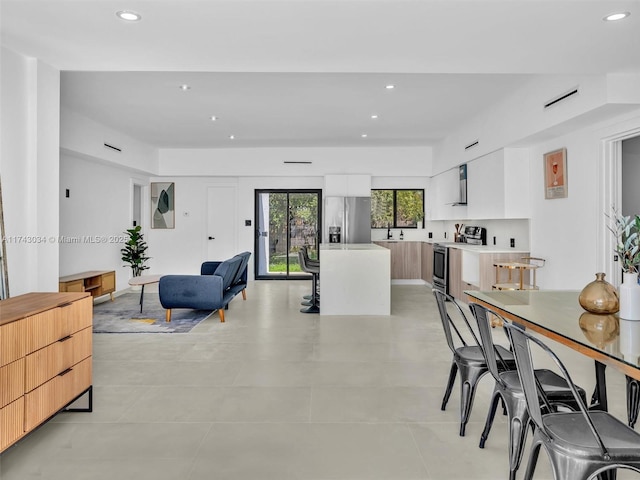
[
  {"x": 45, "y": 358},
  {"x": 406, "y": 261},
  {"x": 96, "y": 282}
]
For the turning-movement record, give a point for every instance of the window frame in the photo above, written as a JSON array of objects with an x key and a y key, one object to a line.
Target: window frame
[{"x": 395, "y": 207}]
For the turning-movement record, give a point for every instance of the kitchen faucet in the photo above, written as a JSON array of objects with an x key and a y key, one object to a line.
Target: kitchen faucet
[{"x": 389, "y": 234}]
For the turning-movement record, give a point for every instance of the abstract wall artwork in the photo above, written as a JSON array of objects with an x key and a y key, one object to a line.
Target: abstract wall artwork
[{"x": 162, "y": 205}]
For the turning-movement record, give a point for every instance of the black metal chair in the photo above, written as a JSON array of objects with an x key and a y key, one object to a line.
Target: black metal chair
[
  {"x": 507, "y": 388},
  {"x": 581, "y": 445},
  {"x": 468, "y": 360},
  {"x": 313, "y": 306},
  {"x": 312, "y": 262}
]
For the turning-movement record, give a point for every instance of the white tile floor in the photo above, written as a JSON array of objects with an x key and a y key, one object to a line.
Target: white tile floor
[{"x": 276, "y": 394}]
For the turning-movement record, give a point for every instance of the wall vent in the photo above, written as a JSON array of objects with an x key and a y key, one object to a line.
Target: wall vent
[
  {"x": 112, "y": 147},
  {"x": 298, "y": 162},
  {"x": 471, "y": 145},
  {"x": 561, "y": 97}
]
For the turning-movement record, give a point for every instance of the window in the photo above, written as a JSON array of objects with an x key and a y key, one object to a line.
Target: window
[{"x": 396, "y": 208}]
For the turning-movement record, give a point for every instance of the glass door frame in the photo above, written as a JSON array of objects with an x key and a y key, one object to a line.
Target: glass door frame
[{"x": 257, "y": 236}]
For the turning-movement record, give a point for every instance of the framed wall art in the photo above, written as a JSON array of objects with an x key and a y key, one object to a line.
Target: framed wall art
[
  {"x": 555, "y": 174},
  {"x": 163, "y": 205}
]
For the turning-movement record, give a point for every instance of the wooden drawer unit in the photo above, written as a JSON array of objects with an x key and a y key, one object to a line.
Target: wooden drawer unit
[
  {"x": 50, "y": 397},
  {"x": 53, "y": 359},
  {"x": 11, "y": 382},
  {"x": 12, "y": 422},
  {"x": 58, "y": 323},
  {"x": 45, "y": 358},
  {"x": 13, "y": 342}
]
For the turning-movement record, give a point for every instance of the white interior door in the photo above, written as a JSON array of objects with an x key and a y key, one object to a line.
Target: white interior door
[{"x": 221, "y": 222}]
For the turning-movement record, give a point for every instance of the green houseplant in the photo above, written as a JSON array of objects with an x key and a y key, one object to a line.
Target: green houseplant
[
  {"x": 133, "y": 252},
  {"x": 626, "y": 230},
  {"x": 627, "y": 233}
]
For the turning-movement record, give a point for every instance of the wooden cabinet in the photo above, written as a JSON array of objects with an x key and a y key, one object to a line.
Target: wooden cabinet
[
  {"x": 45, "y": 358},
  {"x": 455, "y": 273},
  {"x": 406, "y": 259},
  {"x": 97, "y": 283},
  {"x": 427, "y": 262}
]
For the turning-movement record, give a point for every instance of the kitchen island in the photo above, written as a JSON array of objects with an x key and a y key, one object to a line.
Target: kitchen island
[{"x": 355, "y": 279}]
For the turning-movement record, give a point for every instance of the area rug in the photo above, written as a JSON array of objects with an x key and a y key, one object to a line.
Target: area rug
[{"x": 123, "y": 316}]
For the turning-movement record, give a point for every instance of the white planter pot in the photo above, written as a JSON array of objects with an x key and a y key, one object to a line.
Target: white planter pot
[
  {"x": 630, "y": 340},
  {"x": 630, "y": 297}
]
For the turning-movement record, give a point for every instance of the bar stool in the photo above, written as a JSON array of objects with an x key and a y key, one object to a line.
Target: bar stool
[
  {"x": 314, "y": 270},
  {"x": 312, "y": 262}
]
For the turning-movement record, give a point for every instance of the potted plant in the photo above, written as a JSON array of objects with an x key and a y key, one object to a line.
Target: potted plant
[
  {"x": 627, "y": 233},
  {"x": 133, "y": 252}
]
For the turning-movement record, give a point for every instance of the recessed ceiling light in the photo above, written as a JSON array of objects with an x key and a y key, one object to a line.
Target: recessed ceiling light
[
  {"x": 129, "y": 16},
  {"x": 616, "y": 16},
  {"x": 364, "y": 135},
  {"x": 184, "y": 87},
  {"x": 213, "y": 118},
  {"x": 374, "y": 116},
  {"x": 390, "y": 87},
  {"x": 231, "y": 137}
]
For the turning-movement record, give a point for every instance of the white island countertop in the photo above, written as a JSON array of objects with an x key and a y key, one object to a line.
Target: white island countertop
[
  {"x": 469, "y": 247},
  {"x": 349, "y": 246},
  {"x": 355, "y": 279}
]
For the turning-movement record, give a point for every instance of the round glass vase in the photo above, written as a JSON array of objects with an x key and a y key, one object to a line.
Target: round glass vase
[
  {"x": 599, "y": 296},
  {"x": 630, "y": 297}
]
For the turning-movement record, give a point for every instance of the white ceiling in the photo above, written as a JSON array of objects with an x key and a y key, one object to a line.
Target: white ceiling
[{"x": 310, "y": 72}]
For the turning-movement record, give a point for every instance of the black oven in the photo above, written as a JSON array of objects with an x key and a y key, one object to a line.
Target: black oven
[{"x": 441, "y": 268}]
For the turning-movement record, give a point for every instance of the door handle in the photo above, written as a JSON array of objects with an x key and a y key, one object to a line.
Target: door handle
[{"x": 212, "y": 238}]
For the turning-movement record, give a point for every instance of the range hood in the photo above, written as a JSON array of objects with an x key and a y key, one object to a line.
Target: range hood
[{"x": 462, "y": 195}]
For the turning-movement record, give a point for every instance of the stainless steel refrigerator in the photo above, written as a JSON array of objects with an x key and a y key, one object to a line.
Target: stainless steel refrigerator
[{"x": 350, "y": 217}]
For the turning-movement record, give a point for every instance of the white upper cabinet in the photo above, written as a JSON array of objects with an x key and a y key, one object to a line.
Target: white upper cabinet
[
  {"x": 444, "y": 191},
  {"x": 347, "y": 186},
  {"x": 498, "y": 185}
]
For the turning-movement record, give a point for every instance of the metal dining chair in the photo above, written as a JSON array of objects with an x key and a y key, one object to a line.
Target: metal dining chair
[
  {"x": 468, "y": 360},
  {"x": 556, "y": 391},
  {"x": 580, "y": 445}
]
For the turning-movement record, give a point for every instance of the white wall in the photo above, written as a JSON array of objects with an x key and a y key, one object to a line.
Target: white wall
[
  {"x": 182, "y": 249},
  {"x": 29, "y": 139},
  {"x": 83, "y": 135},
  {"x": 566, "y": 231},
  {"x": 94, "y": 216}
]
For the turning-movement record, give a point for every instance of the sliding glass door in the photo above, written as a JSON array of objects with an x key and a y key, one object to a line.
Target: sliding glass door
[{"x": 285, "y": 221}]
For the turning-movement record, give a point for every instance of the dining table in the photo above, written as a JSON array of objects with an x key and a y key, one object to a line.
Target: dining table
[{"x": 556, "y": 314}]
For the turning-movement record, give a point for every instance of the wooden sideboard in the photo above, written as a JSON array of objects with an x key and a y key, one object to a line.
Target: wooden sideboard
[
  {"x": 45, "y": 359},
  {"x": 96, "y": 282}
]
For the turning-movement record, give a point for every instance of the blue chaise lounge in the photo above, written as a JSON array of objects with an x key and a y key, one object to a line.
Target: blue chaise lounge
[{"x": 217, "y": 284}]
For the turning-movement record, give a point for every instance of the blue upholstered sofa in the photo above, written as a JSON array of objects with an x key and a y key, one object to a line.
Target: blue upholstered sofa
[{"x": 217, "y": 284}]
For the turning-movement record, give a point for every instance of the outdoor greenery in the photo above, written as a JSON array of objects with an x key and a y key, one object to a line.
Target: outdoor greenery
[
  {"x": 396, "y": 208},
  {"x": 133, "y": 252},
  {"x": 298, "y": 212}
]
